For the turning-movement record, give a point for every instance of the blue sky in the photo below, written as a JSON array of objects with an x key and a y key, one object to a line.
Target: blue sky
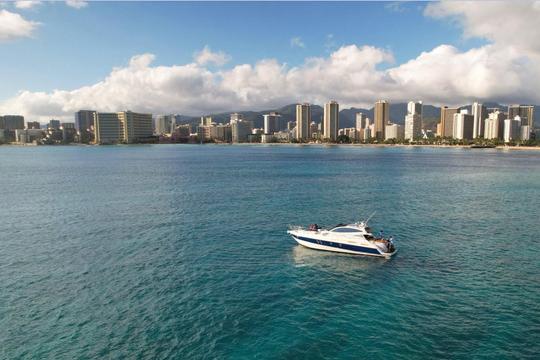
[
  {"x": 72, "y": 48},
  {"x": 56, "y": 58}
]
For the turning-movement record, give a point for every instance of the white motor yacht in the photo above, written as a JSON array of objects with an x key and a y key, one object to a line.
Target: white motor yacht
[{"x": 345, "y": 238}]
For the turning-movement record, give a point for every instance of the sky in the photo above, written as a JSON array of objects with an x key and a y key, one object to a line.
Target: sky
[{"x": 57, "y": 57}]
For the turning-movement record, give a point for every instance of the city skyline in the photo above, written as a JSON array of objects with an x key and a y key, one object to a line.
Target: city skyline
[{"x": 443, "y": 53}]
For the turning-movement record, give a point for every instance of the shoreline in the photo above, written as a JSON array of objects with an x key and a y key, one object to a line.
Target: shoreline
[{"x": 498, "y": 147}]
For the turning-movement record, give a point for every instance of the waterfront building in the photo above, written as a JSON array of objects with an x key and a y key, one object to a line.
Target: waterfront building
[
  {"x": 68, "y": 132},
  {"x": 367, "y": 133},
  {"x": 164, "y": 124},
  {"x": 331, "y": 120},
  {"x": 381, "y": 118},
  {"x": 291, "y": 125},
  {"x": 414, "y": 107},
  {"x": 271, "y": 122},
  {"x": 446, "y": 125},
  {"x": 108, "y": 128},
  {"x": 303, "y": 119},
  {"x": 223, "y": 132},
  {"x": 314, "y": 130},
  {"x": 284, "y": 136},
  {"x": 207, "y": 120},
  {"x": 525, "y": 133},
  {"x": 24, "y": 136},
  {"x": 362, "y": 121},
  {"x": 479, "y": 113},
  {"x": 137, "y": 126},
  {"x": 33, "y": 125},
  {"x": 413, "y": 120},
  {"x": 351, "y": 133},
  {"x": 236, "y": 117},
  {"x": 525, "y": 112},
  {"x": 512, "y": 129},
  {"x": 427, "y": 134},
  {"x": 393, "y": 131},
  {"x": 181, "y": 132},
  {"x": 240, "y": 129},
  {"x": 54, "y": 124},
  {"x": 463, "y": 125},
  {"x": 494, "y": 125},
  {"x": 84, "y": 120},
  {"x": 204, "y": 132},
  {"x": 122, "y": 127},
  {"x": 11, "y": 122}
]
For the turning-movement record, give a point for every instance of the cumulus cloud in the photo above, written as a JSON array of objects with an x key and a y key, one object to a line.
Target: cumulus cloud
[
  {"x": 505, "y": 69},
  {"x": 26, "y": 4},
  {"x": 13, "y": 26},
  {"x": 77, "y": 4},
  {"x": 297, "y": 42},
  {"x": 207, "y": 56},
  {"x": 504, "y": 23}
]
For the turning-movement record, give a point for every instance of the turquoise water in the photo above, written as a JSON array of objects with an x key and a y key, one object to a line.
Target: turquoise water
[{"x": 181, "y": 252}]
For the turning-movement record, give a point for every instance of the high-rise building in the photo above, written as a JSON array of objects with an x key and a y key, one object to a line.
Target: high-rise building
[
  {"x": 393, "y": 131},
  {"x": 525, "y": 133},
  {"x": 512, "y": 129},
  {"x": 413, "y": 120},
  {"x": 381, "y": 118},
  {"x": 303, "y": 119},
  {"x": 314, "y": 130},
  {"x": 84, "y": 120},
  {"x": 108, "y": 128},
  {"x": 331, "y": 120},
  {"x": 462, "y": 126},
  {"x": 236, "y": 117},
  {"x": 479, "y": 113},
  {"x": 137, "y": 126},
  {"x": 125, "y": 126},
  {"x": 12, "y": 122},
  {"x": 291, "y": 125},
  {"x": 163, "y": 124},
  {"x": 494, "y": 125},
  {"x": 67, "y": 125},
  {"x": 240, "y": 128},
  {"x": 446, "y": 125},
  {"x": 271, "y": 122},
  {"x": 223, "y": 132},
  {"x": 207, "y": 120},
  {"x": 33, "y": 125},
  {"x": 362, "y": 121},
  {"x": 414, "y": 107},
  {"x": 525, "y": 112},
  {"x": 54, "y": 124}
]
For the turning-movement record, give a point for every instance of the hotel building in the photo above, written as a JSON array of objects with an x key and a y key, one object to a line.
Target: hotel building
[
  {"x": 331, "y": 120},
  {"x": 303, "y": 119}
]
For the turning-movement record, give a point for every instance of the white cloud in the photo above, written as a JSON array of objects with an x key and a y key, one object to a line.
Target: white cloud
[
  {"x": 506, "y": 69},
  {"x": 26, "y": 4},
  {"x": 77, "y": 4},
  {"x": 207, "y": 56},
  {"x": 297, "y": 42},
  {"x": 504, "y": 23},
  {"x": 13, "y": 25}
]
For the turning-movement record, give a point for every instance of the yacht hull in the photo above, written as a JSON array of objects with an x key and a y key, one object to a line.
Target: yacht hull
[{"x": 335, "y": 246}]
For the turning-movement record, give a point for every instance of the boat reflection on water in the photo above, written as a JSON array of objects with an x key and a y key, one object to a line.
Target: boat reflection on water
[{"x": 330, "y": 261}]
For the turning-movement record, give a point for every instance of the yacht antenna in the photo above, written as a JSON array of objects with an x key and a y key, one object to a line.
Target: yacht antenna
[{"x": 369, "y": 218}]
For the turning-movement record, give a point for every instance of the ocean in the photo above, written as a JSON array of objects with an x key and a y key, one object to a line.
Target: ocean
[{"x": 181, "y": 251}]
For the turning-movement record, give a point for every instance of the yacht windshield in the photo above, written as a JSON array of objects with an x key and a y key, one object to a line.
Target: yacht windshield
[{"x": 346, "y": 230}]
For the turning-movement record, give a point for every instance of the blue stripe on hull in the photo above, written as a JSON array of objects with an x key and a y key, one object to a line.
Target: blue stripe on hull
[{"x": 341, "y": 245}]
